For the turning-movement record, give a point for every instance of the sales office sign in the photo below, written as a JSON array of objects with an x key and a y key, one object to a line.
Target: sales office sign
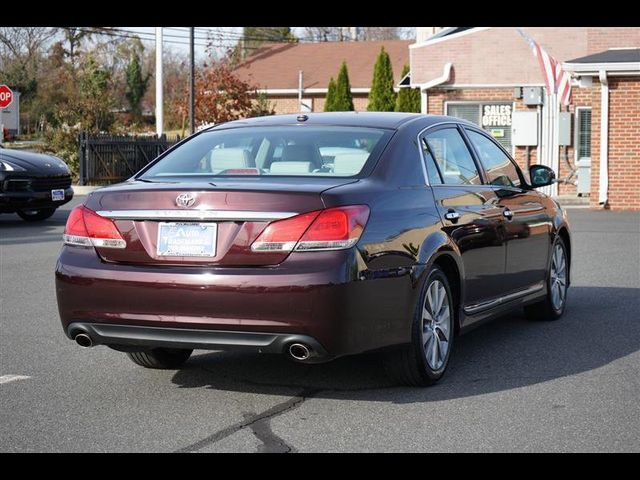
[{"x": 496, "y": 118}]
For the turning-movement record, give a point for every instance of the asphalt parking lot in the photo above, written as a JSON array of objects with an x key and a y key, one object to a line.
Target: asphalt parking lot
[{"x": 513, "y": 385}]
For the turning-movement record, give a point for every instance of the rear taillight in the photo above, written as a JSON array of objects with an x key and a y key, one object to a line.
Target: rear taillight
[
  {"x": 330, "y": 229},
  {"x": 85, "y": 228}
]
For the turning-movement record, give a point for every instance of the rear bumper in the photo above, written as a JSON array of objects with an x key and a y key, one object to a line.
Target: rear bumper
[
  {"x": 12, "y": 201},
  {"x": 188, "y": 338},
  {"x": 321, "y": 296}
]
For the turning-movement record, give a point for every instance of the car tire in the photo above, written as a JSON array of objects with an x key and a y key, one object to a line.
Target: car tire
[
  {"x": 160, "y": 358},
  {"x": 423, "y": 363},
  {"x": 36, "y": 215},
  {"x": 553, "y": 305}
]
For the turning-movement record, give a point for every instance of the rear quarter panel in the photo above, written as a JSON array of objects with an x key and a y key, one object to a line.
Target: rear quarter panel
[{"x": 402, "y": 237}]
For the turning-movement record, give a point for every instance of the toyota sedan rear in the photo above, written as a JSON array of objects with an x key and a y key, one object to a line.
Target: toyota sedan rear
[{"x": 315, "y": 236}]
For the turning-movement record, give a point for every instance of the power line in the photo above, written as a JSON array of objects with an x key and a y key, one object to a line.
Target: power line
[
  {"x": 151, "y": 34},
  {"x": 98, "y": 31}
]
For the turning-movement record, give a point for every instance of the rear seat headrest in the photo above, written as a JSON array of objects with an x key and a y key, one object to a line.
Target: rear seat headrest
[
  {"x": 349, "y": 163},
  {"x": 227, "y": 158}
]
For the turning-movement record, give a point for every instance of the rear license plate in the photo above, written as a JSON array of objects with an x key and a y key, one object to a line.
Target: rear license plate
[
  {"x": 57, "y": 195},
  {"x": 187, "y": 239}
]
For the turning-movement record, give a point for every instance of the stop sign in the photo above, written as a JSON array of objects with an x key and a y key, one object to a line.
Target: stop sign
[{"x": 6, "y": 96}]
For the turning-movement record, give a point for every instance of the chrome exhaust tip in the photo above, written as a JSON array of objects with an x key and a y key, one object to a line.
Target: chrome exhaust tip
[
  {"x": 299, "y": 351},
  {"x": 83, "y": 340}
]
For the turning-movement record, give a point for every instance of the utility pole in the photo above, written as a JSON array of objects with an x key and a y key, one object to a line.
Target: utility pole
[
  {"x": 159, "y": 110},
  {"x": 192, "y": 83}
]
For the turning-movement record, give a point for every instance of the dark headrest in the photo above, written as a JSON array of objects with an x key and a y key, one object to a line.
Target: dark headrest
[{"x": 300, "y": 153}]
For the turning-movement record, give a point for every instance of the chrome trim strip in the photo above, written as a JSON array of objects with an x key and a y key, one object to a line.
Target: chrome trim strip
[
  {"x": 478, "y": 307},
  {"x": 79, "y": 241},
  {"x": 221, "y": 215}
]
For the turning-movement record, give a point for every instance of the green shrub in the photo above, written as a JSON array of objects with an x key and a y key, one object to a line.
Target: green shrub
[{"x": 63, "y": 143}]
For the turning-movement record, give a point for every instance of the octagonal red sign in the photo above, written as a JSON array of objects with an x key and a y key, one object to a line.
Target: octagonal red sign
[{"x": 6, "y": 96}]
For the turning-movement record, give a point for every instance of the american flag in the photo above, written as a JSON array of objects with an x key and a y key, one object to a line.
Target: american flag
[{"x": 555, "y": 78}]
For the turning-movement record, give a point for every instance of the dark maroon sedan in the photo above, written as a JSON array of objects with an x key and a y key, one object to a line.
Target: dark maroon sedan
[{"x": 315, "y": 236}]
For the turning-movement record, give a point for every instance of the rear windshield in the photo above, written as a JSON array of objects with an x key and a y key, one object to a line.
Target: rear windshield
[{"x": 277, "y": 151}]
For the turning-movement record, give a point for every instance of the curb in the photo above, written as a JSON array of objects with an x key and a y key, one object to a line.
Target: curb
[
  {"x": 572, "y": 201},
  {"x": 84, "y": 189}
]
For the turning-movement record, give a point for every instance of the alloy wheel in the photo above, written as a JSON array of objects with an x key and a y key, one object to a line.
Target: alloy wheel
[
  {"x": 436, "y": 325},
  {"x": 558, "y": 283}
]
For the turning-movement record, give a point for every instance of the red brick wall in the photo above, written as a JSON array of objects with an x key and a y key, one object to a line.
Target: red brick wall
[
  {"x": 624, "y": 143},
  {"x": 289, "y": 104},
  {"x": 588, "y": 97}
]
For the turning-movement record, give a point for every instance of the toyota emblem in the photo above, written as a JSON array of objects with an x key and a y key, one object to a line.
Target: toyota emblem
[{"x": 185, "y": 200}]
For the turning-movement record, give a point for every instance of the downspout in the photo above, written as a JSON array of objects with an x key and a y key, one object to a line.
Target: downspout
[
  {"x": 604, "y": 139},
  {"x": 446, "y": 75},
  {"x": 424, "y": 102}
]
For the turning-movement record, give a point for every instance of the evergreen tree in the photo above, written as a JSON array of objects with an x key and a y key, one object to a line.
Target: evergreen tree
[
  {"x": 382, "y": 98},
  {"x": 137, "y": 84},
  {"x": 331, "y": 96},
  {"x": 408, "y": 98},
  {"x": 343, "y": 99}
]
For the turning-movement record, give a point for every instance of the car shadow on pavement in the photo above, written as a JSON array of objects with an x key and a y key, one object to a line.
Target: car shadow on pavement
[{"x": 599, "y": 327}]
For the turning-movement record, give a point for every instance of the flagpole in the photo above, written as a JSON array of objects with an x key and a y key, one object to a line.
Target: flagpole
[{"x": 555, "y": 154}]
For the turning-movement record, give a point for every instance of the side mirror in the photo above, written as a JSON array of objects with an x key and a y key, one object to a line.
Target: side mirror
[{"x": 541, "y": 175}]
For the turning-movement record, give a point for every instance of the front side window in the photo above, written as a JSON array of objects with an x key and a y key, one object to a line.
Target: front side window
[
  {"x": 499, "y": 167},
  {"x": 452, "y": 157},
  {"x": 281, "y": 151}
]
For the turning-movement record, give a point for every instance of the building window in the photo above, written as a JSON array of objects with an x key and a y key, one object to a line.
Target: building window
[
  {"x": 583, "y": 132},
  {"x": 493, "y": 117}
]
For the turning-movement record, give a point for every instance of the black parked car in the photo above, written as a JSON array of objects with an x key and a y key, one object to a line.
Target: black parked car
[
  {"x": 33, "y": 184},
  {"x": 315, "y": 236}
]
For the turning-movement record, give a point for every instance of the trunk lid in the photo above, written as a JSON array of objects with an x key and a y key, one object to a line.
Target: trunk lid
[{"x": 241, "y": 208}]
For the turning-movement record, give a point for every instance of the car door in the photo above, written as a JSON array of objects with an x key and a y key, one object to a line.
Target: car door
[
  {"x": 469, "y": 211},
  {"x": 527, "y": 222}
]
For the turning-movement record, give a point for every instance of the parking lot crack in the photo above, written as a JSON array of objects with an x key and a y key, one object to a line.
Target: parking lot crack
[{"x": 260, "y": 425}]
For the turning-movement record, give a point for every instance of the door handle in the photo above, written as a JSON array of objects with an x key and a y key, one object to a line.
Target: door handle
[
  {"x": 452, "y": 215},
  {"x": 508, "y": 214}
]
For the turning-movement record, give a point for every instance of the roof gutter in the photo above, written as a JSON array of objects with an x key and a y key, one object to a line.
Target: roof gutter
[
  {"x": 294, "y": 91},
  {"x": 594, "y": 69},
  {"x": 446, "y": 75}
]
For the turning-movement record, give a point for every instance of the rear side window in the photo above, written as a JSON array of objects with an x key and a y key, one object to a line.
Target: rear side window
[
  {"x": 452, "y": 157},
  {"x": 499, "y": 167},
  {"x": 282, "y": 151}
]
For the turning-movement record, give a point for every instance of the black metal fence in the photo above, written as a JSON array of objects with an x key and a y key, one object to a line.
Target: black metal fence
[{"x": 108, "y": 158}]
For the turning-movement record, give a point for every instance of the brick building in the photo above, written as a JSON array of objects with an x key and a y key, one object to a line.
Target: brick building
[
  {"x": 611, "y": 82},
  {"x": 275, "y": 69},
  {"x": 490, "y": 76}
]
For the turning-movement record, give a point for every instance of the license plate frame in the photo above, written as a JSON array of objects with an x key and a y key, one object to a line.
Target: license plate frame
[
  {"x": 57, "y": 195},
  {"x": 205, "y": 246}
]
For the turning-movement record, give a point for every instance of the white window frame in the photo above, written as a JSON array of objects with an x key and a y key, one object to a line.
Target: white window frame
[
  {"x": 577, "y": 132},
  {"x": 481, "y": 102}
]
